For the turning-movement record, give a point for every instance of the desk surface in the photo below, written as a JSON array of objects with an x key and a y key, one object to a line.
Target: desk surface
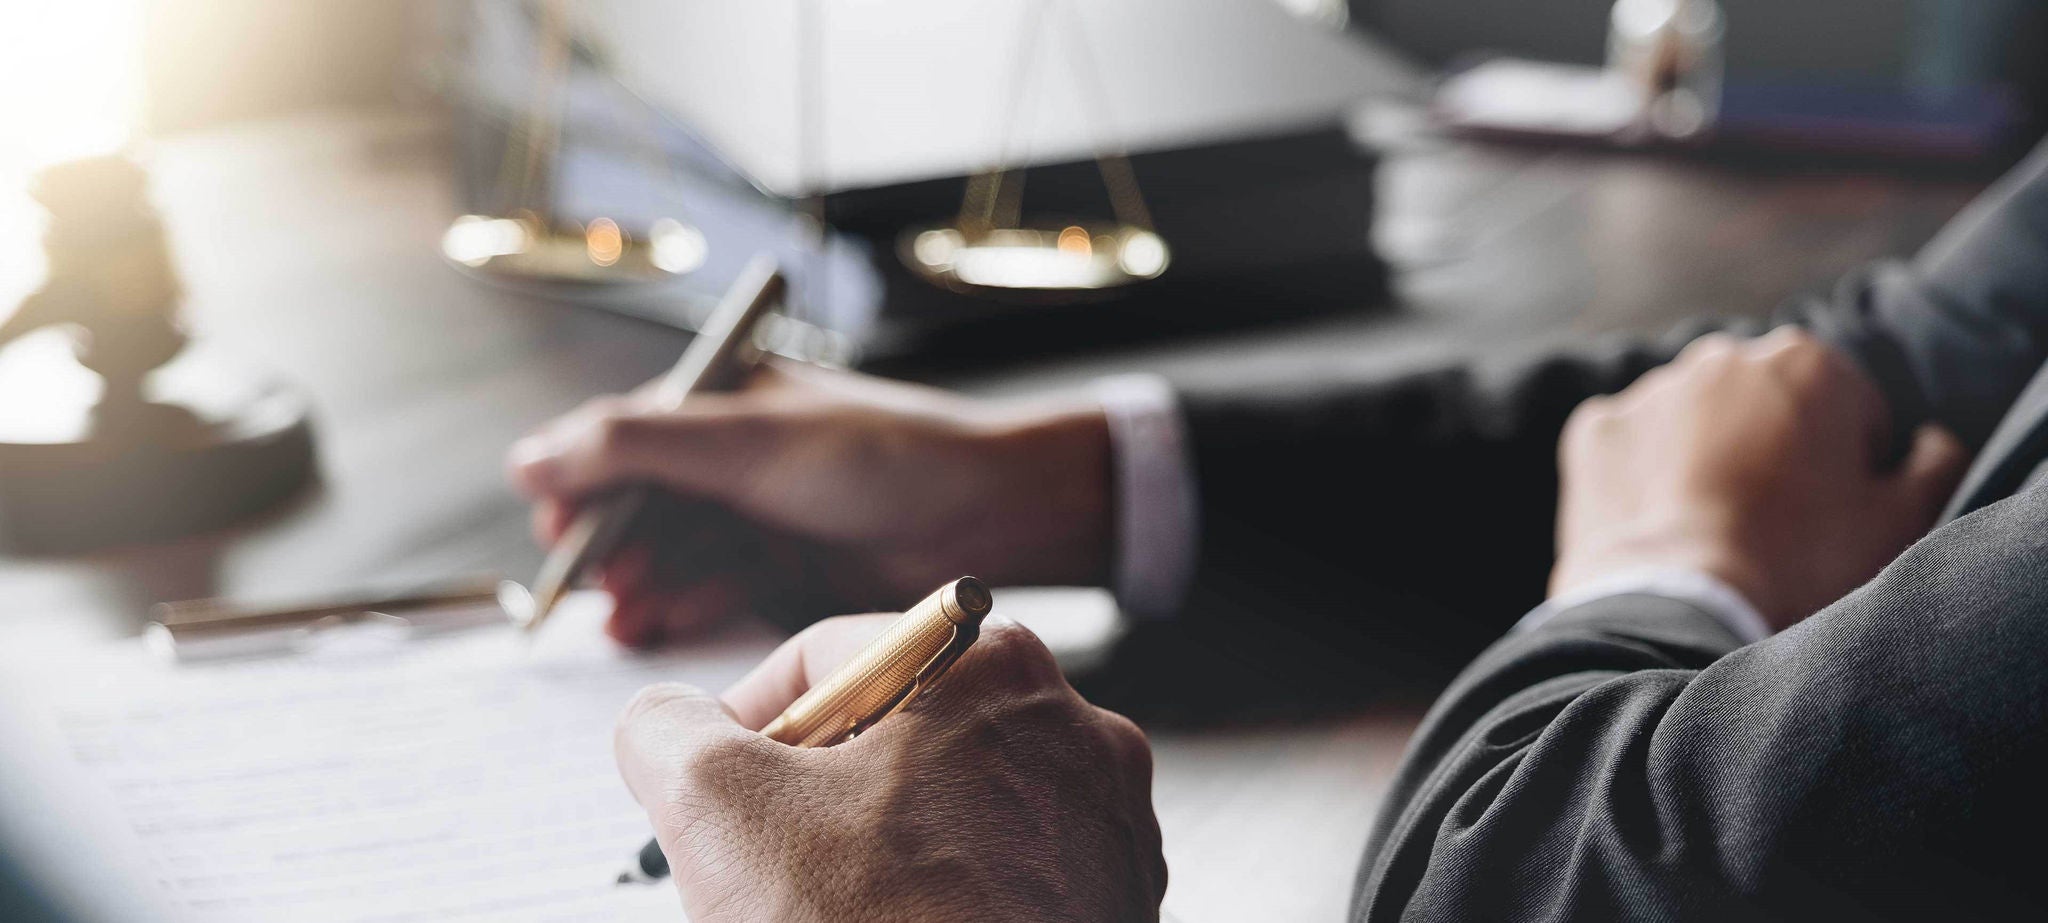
[{"x": 308, "y": 247}]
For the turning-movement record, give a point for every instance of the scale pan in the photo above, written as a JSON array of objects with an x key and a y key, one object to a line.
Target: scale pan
[
  {"x": 596, "y": 254},
  {"x": 1077, "y": 257}
]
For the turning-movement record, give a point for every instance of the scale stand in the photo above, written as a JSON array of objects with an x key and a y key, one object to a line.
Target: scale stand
[
  {"x": 990, "y": 250},
  {"x": 525, "y": 242}
]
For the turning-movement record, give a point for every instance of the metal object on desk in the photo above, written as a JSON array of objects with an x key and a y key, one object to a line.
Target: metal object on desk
[
  {"x": 216, "y": 629},
  {"x": 990, "y": 250},
  {"x": 529, "y": 247},
  {"x": 168, "y": 440},
  {"x": 1661, "y": 84},
  {"x": 1072, "y": 257},
  {"x": 528, "y": 242},
  {"x": 1669, "y": 52},
  {"x": 1235, "y": 128}
]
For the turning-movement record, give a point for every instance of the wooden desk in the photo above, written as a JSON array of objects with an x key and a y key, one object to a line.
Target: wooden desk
[{"x": 309, "y": 247}]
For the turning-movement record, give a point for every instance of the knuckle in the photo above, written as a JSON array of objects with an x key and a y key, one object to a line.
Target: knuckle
[
  {"x": 1591, "y": 410},
  {"x": 613, "y": 432},
  {"x": 673, "y": 723},
  {"x": 1126, "y": 739},
  {"x": 1594, "y": 406},
  {"x": 1118, "y": 726},
  {"x": 661, "y": 700},
  {"x": 1150, "y": 844},
  {"x": 810, "y": 634},
  {"x": 1045, "y": 708},
  {"x": 1158, "y": 865},
  {"x": 1659, "y": 377},
  {"x": 1805, "y": 362},
  {"x": 1592, "y": 415},
  {"x": 1789, "y": 338},
  {"x": 1794, "y": 346},
  {"x": 599, "y": 408},
  {"x": 1012, "y": 654},
  {"x": 1787, "y": 345},
  {"x": 1709, "y": 348}
]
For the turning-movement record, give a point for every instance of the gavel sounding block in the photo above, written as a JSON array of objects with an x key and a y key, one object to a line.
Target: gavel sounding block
[{"x": 210, "y": 445}]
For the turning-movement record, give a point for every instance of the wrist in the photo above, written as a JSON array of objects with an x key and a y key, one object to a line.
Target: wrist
[
  {"x": 1576, "y": 569},
  {"x": 1052, "y": 492}
]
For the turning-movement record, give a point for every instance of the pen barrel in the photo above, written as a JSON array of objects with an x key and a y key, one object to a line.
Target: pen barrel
[
  {"x": 908, "y": 654},
  {"x": 730, "y": 353},
  {"x": 720, "y": 358}
]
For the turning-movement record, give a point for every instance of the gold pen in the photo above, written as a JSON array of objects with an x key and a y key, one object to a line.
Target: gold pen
[
  {"x": 896, "y": 667},
  {"x": 717, "y": 360}
]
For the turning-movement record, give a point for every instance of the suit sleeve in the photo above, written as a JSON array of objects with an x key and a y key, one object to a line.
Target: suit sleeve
[
  {"x": 1877, "y": 761},
  {"x": 1955, "y": 334},
  {"x": 1315, "y": 496},
  {"x": 1317, "y": 500},
  {"x": 1345, "y": 516}
]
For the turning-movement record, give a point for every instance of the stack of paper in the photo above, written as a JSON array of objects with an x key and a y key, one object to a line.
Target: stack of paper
[{"x": 441, "y": 779}]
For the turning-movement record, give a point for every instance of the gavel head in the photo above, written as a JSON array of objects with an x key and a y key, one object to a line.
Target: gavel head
[{"x": 109, "y": 273}]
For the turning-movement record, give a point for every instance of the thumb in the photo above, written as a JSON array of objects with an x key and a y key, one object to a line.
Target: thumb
[
  {"x": 702, "y": 451},
  {"x": 1932, "y": 468},
  {"x": 667, "y": 731}
]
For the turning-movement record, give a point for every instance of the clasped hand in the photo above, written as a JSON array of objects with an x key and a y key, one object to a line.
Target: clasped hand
[{"x": 1756, "y": 462}]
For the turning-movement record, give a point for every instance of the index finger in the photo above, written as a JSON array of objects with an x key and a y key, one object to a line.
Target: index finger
[
  {"x": 660, "y": 731},
  {"x": 803, "y": 660}
]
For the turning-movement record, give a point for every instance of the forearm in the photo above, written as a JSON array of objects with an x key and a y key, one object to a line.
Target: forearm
[
  {"x": 1609, "y": 764},
  {"x": 1309, "y": 493},
  {"x": 1315, "y": 496},
  {"x": 1051, "y": 516}
]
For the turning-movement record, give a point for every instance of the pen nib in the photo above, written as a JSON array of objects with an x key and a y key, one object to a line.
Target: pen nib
[
  {"x": 634, "y": 875},
  {"x": 518, "y": 603}
]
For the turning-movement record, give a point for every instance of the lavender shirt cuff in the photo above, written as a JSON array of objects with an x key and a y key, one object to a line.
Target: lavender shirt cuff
[{"x": 1156, "y": 519}]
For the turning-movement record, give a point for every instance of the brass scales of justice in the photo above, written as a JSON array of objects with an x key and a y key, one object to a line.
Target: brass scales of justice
[
  {"x": 990, "y": 249},
  {"x": 525, "y": 240}
]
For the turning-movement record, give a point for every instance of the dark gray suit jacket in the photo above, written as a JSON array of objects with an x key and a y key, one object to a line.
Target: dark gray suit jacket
[
  {"x": 1619, "y": 762},
  {"x": 1882, "y": 760},
  {"x": 1324, "y": 503}
]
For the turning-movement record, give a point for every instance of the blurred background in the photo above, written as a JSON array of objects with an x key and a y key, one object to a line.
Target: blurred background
[{"x": 884, "y": 109}]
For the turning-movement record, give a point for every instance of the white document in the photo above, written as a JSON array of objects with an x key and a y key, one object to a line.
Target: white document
[{"x": 444, "y": 779}]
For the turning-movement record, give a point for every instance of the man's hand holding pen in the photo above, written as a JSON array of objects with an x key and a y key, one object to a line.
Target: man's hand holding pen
[
  {"x": 793, "y": 491},
  {"x": 999, "y": 795},
  {"x": 814, "y": 492}
]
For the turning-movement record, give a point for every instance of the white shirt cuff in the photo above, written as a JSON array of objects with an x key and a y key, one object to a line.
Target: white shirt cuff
[
  {"x": 1156, "y": 525},
  {"x": 1709, "y": 594}
]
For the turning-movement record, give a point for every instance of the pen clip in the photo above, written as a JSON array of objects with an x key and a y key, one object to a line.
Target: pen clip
[{"x": 963, "y": 637}]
